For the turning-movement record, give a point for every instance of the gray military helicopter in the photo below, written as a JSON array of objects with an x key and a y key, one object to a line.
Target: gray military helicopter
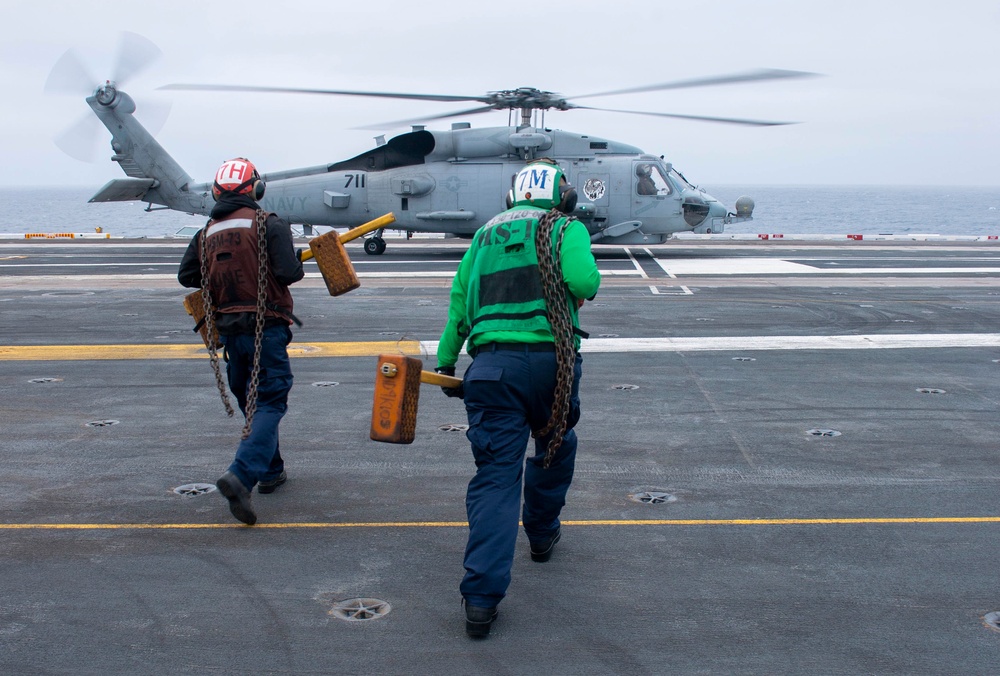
[{"x": 449, "y": 181}]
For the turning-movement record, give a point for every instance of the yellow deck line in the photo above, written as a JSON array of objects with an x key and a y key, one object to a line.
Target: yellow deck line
[
  {"x": 193, "y": 350},
  {"x": 196, "y": 351},
  {"x": 462, "y": 524}
]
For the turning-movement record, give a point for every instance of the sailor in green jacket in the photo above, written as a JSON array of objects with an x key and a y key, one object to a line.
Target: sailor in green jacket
[{"x": 514, "y": 303}]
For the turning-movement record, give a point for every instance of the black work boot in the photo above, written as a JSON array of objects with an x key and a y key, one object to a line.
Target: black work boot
[
  {"x": 238, "y": 496},
  {"x": 478, "y": 620},
  {"x": 542, "y": 551},
  {"x": 271, "y": 486}
]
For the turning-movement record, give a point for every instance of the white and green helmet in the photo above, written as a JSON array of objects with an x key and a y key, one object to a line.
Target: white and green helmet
[{"x": 537, "y": 185}]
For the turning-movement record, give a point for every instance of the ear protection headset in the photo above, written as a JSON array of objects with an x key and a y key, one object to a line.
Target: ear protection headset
[
  {"x": 257, "y": 186},
  {"x": 567, "y": 198}
]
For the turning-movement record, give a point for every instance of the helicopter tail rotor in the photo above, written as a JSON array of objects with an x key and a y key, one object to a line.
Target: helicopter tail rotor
[
  {"x": 80, "y": 140},
  {"x": 135, "y": 54},
  {"x": 70, "y": 76}
]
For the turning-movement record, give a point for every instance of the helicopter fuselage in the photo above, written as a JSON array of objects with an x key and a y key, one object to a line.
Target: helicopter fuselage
[
  {"x": 450, "y": 181},
  {"x": 454, "y": 181}
]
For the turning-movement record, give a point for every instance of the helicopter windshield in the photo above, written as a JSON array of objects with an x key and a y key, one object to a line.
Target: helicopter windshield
[
  {"x": 650, "y": 180},
  {"x": 681, "y": 181}
]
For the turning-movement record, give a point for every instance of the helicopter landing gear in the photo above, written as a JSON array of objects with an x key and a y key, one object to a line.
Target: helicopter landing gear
[{"x": 375, "y": 245}]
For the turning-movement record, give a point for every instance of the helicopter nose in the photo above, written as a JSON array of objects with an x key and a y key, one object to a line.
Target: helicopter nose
[
  {"x": 717, "y": 210},
  {"x": 697, "y": 208}
]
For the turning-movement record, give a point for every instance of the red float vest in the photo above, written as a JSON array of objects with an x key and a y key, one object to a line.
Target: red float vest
[{"x": 233, "y": 264}]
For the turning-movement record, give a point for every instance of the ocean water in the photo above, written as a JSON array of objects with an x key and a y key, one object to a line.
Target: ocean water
[
  {"x": 868, "y": 209},
  {"x": 799, "y": 209}
]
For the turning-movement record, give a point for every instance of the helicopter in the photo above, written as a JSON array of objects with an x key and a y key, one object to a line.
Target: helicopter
[{"x": 444, "y": 181}]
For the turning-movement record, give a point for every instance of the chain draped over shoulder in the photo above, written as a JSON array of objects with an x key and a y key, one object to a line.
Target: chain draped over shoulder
[
  {"x": 557, "y": 306},
  {"x": 260, "y": 218}
]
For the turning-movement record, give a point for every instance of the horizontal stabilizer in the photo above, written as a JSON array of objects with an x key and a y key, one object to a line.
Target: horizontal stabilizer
[{"x": 123, "y": 190}]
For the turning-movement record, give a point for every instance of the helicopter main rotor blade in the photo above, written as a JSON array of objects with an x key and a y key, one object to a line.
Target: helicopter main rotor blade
[
  {"x": 403, "y": 123},
  {"x": 524, "y": 98},
  {"x": 135, "y": 54},
  {"x": 338, "y": 92},
  {"x": 699, "y": 118},
  {"x": 750, "y": 76}
]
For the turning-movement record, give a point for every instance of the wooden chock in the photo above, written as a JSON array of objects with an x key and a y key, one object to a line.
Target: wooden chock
[
  {"x": 194, "y": 304},
  {"x": 397, "y": 393},
  {"x": 332, "y": 259}
]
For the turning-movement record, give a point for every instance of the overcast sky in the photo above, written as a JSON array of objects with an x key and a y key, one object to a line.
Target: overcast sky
[{"x": 910, "y": 93}]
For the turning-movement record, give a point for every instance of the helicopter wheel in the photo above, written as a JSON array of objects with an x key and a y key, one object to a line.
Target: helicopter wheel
[{"x": 374, "y": 246}]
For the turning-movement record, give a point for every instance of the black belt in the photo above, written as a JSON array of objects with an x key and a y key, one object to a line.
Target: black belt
[{"x": 513, "y": 347}]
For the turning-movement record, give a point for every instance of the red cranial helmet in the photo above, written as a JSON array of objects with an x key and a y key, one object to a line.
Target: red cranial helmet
[{"x": 238, "y": 176}]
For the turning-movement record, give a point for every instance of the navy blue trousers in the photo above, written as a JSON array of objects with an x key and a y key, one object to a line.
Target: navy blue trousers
[
  {"x": 507, "y": 394},
  {"x": 258, "y": 457}
]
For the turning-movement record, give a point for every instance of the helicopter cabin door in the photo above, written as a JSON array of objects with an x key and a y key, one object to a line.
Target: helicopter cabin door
[
  {"x": 466, "y": 195},
  {"x": 650, "y": 189}
]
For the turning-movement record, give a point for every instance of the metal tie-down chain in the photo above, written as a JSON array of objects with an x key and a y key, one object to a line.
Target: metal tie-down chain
[
  {"x": 206, "y": 298},
  {"x": 259, "y": 334},
  {"x": 557, "y": 300}
]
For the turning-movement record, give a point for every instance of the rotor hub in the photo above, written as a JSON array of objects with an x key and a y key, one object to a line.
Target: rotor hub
[
  {"x": 527, "y": 98},
  {"x": 106, "y": 93}
]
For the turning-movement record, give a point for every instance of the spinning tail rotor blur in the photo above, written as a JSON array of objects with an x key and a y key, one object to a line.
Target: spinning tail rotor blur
[{"x": 71, "y": 76}]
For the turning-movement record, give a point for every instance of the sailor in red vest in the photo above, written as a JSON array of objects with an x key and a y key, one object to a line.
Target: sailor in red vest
[{"x": 250, "y": 302}]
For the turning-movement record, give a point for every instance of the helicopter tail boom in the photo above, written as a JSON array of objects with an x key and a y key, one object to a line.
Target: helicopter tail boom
[{"x": 153, "y": 175}]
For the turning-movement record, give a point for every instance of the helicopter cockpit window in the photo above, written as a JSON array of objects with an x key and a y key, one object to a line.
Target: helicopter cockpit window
[
  {"x": 681, "y": 181},
  {"x": 651, "y": 180}
]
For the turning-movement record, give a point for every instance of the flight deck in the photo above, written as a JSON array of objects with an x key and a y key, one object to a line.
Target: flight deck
[{"x": 788, "y": 464}]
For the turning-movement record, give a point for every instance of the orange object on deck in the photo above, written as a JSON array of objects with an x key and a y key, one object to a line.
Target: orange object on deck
[
  {"x": 195, "y": 306},
  {"x": 397, "y": 393},
  {"x": 332, "y": 259}
]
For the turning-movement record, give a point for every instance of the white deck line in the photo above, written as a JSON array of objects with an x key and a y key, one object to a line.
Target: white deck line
[{"x": 757, "y": 343}]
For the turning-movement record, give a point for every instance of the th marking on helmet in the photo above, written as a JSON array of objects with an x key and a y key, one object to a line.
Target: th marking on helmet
[{"x": 233, "y": 172}]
